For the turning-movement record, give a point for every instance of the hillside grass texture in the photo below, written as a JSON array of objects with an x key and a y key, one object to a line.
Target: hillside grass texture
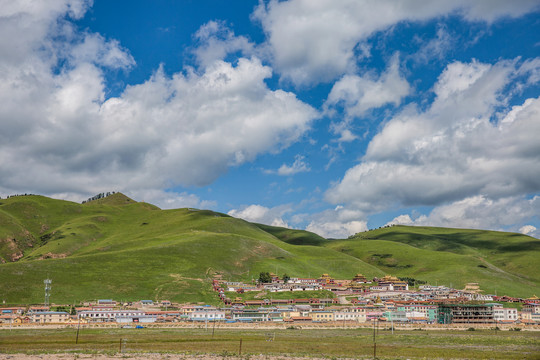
[{"x": 119, "y": 248}]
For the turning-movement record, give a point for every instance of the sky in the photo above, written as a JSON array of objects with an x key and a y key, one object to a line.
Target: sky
[{"x": 331, "y": 116}]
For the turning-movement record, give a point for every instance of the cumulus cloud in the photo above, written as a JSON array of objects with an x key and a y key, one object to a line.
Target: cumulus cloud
[
  {"x": 170, "y": 199},
  {"x": 404, "y": 219},
  {"x": 358, "y": 94},
  {"x": 338, "y": 223},
  {"x": 480, "y": 212},
  {"x": 94, "y": 48},
  {"x": 261, "y": 214},
  {"x": 454, "y": 149},
  {"x": 527, "y": 229},
  {"x": 298, "y": 166},
  {"x": 214, "y": 41},
  {"x": 61, "y": 134},
  {"x": 317, "y": 41}
]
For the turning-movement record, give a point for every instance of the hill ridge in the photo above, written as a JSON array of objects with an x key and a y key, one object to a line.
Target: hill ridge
[{"x": 115, "y": 247}]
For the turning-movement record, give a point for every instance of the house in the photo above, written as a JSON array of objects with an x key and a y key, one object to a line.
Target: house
[
  {"x": 7, "y": 319},
  {"x": 322, "y": 316},
  {"x": 392, "y": 283},
  {"x": 207, "y": 315},
  {"x": 50, "y": 317},
  {"x": 359, "y": 278},
  {"x": 397, "y": 316},
  {"x": 532, "y": 300},
  {"x": 531, "y": 313},
  {"x": 359, "y": 316},
  {"x": 466, "y": 313},
  {"x": 136, "y": 319},
  {"x": 34, "y": 309},
  {"x": 533, "y": 308},
  {"x": 108, "y": 316},
  {"x": 21, "y": 320},
  {"x": 250, "y": 315},
  {"x": 429, "y": 312},
  {"x": 504, "y": 315},
  {"x": 12, "y": 310}
]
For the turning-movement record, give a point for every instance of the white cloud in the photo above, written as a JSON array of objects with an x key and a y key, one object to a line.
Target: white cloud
[
  {"x": 436, "y": 48},
  {"x": 346, "y": 136},
  {"x": 184, "y": 129},
  {"x": 359, "y": 94},
  {"x": 338, "y": 223},
  {"x": 315, "y": 41},
  {"x": 170, "y": 199},
  {"x": 480, "y": 212},
  {"x": 261, "y": 214},
  {"x": 215, "y": 41},
  {"x": 452, "y": 150},
  {"x": 298, "y": 166},
  {"x": 94, "y": 48},
  {"x": 527, "y": 229},
  {"x": 401, "y": 220},
  {"x": 336, "y": 229}
]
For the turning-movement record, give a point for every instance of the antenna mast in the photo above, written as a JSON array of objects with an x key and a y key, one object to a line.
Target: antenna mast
[{"x": 47, "y": 283}]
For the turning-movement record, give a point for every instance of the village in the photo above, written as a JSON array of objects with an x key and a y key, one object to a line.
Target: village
[{"x": 355, "y": 302}]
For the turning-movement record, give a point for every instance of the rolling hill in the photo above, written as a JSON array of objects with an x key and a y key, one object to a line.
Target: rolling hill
[{"x": 118, "y": 248}]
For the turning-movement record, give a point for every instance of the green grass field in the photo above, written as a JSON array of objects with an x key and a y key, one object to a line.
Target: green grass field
[
  {"x": 327, "y": 343},
  {"x": 119, "y": 248}
]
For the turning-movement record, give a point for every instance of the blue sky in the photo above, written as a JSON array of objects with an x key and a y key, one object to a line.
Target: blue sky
[{"x": 331, "y": 116}]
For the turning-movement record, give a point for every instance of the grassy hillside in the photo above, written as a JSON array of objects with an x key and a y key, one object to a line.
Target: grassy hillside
[
  {"x": 115, "y": 248},
  {"x": 500, "y": 262},
  {"x": 118, "y": 248}
]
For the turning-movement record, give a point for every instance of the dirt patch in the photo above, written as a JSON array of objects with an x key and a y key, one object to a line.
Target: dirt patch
[
  {"x": 44, "y": 228},
  {"x": 15, "y": 252},
  {"x": 181, "y": 278},
  {"x": 50, "y": 255}
]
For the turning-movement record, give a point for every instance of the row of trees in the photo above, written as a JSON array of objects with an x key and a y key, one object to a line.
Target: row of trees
[
  {"x": 10, "y": 196},
  {"x": 265, "y": 278},
  {"x": 99, "y": 196}
]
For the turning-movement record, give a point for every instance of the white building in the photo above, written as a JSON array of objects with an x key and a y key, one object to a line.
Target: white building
[
  {"x": 501, "y": 314},
  {"x": 109, "y": 315},
  {"x": 350, "y": 316},
  {"x": 207, "y": 315}
]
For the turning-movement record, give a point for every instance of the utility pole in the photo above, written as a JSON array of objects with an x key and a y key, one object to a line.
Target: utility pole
[
  {"x": 374, "y": 341},
  {"x": 78, "y": 327}
]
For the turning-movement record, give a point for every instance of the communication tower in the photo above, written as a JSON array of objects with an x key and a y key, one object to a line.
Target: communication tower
[{"x": 47, "y": 283}]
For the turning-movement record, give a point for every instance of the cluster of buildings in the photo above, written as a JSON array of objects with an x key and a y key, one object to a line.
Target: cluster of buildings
[
  {"x": 357, "y": 300},
  {"x": 314, "y": 312},
  {"x": 385, "y": 288}
]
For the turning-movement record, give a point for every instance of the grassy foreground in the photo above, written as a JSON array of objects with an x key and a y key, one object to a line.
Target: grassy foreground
[{"x": 330, "y": 343}]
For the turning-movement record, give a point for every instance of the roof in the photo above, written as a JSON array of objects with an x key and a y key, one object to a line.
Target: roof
[{"x": 52, "y": 313}]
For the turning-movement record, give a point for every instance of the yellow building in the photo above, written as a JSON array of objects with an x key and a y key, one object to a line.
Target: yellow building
[
  {"x": 322, "y": 316},
  {"x": 50, "y": 317}
]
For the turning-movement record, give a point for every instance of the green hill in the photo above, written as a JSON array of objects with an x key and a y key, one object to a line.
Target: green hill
[
  {"x": 501, "y": 262},
  {"x": 115, "y": 247}
]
